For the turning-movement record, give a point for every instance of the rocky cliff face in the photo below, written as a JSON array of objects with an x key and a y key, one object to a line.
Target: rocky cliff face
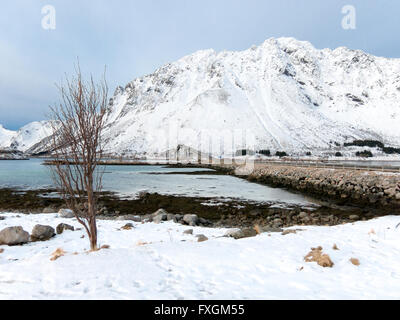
[{"x": 282, "y": 95}]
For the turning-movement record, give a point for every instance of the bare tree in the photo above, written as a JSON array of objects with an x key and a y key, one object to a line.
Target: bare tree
[{"x": 77, "y": 147}]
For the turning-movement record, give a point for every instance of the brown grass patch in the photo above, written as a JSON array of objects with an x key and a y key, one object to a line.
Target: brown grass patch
[
  {"x": 105, "y": 246},
  {"x": 57, "y": 254},
  {"x": 316, "y": 255},
  {"x": 335, "y": 247},
  {"x": 257, "y": 229},
  {"x": 355, "y": 261},
  {"x": 142, "y": 243}
]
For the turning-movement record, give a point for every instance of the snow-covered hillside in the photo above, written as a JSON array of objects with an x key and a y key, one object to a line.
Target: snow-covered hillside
[
  {"x": 5, "y": 137},
  {"x": 159, "y": 261},
  {"x": 282, "y": 95},
  {"x": 26, "y": 137}
]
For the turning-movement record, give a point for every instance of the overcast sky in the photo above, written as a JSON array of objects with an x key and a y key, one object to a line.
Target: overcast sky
[{"x": 134, "y": 38}]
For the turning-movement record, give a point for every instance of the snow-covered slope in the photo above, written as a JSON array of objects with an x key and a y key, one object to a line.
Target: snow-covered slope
[
  {"x": 283, "y": 95},
  {"x": 26, "y": 137},
  {"x": 158, "y": 261},
  {"x": 5, "y": 137}
]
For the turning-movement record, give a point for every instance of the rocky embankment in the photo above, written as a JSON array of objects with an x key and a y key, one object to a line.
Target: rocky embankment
[
  {"x": 12, "y": 155},
  {"x": 349, "y": 186}
]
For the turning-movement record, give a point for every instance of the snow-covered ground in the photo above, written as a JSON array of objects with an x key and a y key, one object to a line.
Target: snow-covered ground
[{"x": 159, "y": 262}]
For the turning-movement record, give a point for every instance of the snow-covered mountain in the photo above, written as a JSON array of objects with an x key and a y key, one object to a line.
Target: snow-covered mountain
[
  {"x": 5, "y": 137},
  {"x": 283, "y": 95},
  {"x": 26, "y": 137}
]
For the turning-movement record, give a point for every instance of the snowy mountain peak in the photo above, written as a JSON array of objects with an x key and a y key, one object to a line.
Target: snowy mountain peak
[
  {"x": 26, "y": 137},
  {"x": 286, "y": 93}
]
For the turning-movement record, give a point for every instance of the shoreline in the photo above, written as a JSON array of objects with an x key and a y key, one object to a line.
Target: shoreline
[
  {"x": 331, "y": 209},
  {"x": 220, "y": 212}
]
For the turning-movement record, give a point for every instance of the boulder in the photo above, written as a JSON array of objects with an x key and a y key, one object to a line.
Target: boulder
[
  {"x": 191, "y": 219},
  {"x": 63, "y": 227},
  {"x": 66, "y": 213},
  {"x": 42, "y": 233},
  {"x": 13, "y": 236}
]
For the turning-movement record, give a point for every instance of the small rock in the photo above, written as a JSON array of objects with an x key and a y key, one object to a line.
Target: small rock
[
  {"x": 2, "y": 218},
  {"x": 160, "y": 218},
  {"x": 42, "y": 233},
  {"x": 170, "y": 216},
  {"x": 13, "y": 236},
  {"x": 147, "y": 218},
  {"x": 201, "y": 238},
  {"x": 191, "y": 219},
  {"x": 354, "y": 217},
  {"x": 255, "y": 212},
  {"x": 398, "y": 196},
  {"x": 241, "y": 234},
  {"x": 271, "y": 230},
  {"x": 129, "y": 217},
  {"x": 49, "y": 210},
  {"x": 159, "y": 212},
  {"x": 128, "y": 226},
  {"x": 190, "y": 231},
  {"x": 178, "y": 218},
  {"x": 1, "y": 250},
  {"x": 286, "y": 232},
  {"x": 63, "y": 227},
  {"x": 278, "y": 222},
  {"x": 303, "y": 215},
  {"x": 355, "y": 262},
  {"x": 66, "y": 213}
]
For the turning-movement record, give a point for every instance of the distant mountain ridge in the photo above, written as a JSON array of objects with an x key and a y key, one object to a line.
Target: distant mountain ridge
[
  {"x": 26, "y": 137},
  {"x": 284, "y": 95}
]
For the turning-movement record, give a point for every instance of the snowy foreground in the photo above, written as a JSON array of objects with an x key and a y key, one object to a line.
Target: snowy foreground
[{"x": 159, "y": 262}]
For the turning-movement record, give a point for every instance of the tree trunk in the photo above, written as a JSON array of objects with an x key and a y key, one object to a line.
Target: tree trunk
[{"x": 93, "y": 234}]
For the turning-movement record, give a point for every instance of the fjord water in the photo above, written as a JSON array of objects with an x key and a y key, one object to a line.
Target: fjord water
[{"x": 128, "y": 181}]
